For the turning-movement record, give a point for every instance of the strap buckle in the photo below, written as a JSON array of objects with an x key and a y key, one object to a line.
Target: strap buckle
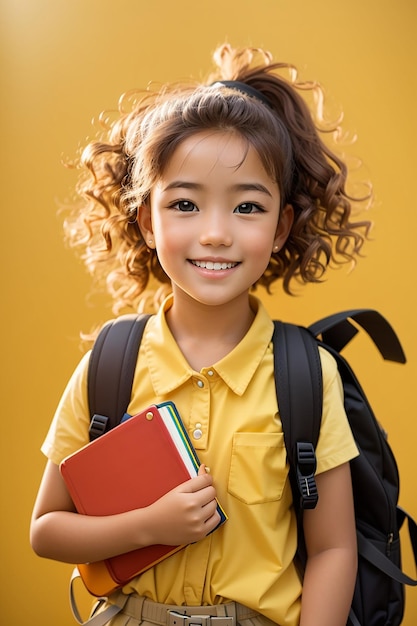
[
  {"x": 178, "y": 619},
  {"x": 306, "y": 467},
  {"x": 97, "y": 426}
]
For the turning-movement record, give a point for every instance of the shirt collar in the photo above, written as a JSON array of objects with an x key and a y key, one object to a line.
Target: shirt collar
[{"x": 236, "y": 368}]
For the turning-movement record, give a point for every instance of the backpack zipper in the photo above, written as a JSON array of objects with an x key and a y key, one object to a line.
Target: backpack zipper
[{"x": 389, "y": 543}]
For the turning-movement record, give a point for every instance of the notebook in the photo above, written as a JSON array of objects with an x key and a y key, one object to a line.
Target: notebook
[{"x": 130, "y": 467}]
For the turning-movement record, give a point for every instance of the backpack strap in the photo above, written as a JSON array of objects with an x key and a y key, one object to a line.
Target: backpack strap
[
  {"x": 111, "y": 370},
  {"x": 368, "y": 551},
  {"x": 336, "y": 331},
  {"x": 297, "y": 367}
]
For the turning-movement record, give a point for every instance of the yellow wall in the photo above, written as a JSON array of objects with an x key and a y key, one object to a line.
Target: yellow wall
[{"x": 65, "y": 61}]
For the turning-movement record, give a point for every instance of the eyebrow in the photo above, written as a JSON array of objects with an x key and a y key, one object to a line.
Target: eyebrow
[{"x": 183, "y": 184}]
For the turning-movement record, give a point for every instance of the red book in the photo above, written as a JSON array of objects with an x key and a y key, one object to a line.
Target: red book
[{"x": 130, "y": 467}]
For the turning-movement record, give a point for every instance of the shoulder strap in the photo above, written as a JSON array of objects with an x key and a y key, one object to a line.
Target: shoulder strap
[
  {"x": 111, "y": 370},
  {"x": 298, "y": 375},
  {"x": 298, "y": 380},
  {"x": 336, "y": 331}
]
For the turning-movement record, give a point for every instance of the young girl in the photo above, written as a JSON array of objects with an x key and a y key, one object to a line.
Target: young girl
[{"x": 212, "y": 190}]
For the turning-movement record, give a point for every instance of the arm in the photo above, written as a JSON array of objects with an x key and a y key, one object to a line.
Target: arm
[
  {"x": 332, "y": 554},
  {"x": 58, "y": 532}
]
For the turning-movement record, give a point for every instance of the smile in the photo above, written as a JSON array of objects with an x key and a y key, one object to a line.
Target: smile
[{"x": 211, "y": 265}]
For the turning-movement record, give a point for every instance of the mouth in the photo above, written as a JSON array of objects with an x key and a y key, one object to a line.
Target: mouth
[{"x": 215, "y": 265}]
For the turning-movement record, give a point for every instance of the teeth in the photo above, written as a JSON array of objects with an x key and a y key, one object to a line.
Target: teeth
[{"x": 209, "y": 265}]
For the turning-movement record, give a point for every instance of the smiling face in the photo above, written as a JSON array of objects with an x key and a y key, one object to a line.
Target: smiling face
[{"x": 213, "y": 218}]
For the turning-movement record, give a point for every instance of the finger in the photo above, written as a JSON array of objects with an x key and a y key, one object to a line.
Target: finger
[
  {"x": 196, "y": 484},
  {"x": 209, "y": 508},
  {"x": 213, "y": 520},
  {"x": 202, "y": 470}
]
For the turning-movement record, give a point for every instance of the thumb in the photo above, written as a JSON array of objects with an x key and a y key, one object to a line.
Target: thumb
[{"x": 203, "y": 469}]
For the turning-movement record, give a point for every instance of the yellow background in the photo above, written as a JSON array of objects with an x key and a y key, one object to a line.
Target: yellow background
[{"x": 63, "y": 61}]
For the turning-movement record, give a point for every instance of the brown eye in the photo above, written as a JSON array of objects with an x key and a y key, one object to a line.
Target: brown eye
[
  {"x": 185, "y": 205},
  {"x": 247, "y": 207}
]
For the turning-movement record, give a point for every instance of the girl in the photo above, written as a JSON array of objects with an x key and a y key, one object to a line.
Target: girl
[{"x": 213, "y": 190}]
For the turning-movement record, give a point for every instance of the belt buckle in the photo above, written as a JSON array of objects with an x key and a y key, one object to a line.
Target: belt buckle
[{"x": 179, "y": 619}]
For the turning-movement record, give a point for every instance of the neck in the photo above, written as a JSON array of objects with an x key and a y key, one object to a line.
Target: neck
[{"x": 205, "y": 334}]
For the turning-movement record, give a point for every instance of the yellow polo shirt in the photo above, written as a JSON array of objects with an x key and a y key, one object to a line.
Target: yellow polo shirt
[{"x": 230, "y": 411}]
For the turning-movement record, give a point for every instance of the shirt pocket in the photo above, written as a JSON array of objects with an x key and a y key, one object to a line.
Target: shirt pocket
[{"x": 258, "y": 468}]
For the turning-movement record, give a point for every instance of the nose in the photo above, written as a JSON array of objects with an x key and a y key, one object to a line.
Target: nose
[{"x": 216, "y": 230}]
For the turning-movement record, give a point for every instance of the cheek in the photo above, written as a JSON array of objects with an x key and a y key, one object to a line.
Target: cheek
[
  {"x": 169, "y": 236},
  {"x": 261, "y": 241},
  {"x": 261, "y": 245},
  {"x": 172, "y": 243}
]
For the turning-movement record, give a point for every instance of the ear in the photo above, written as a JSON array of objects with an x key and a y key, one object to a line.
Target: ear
[
  {"x": 145, "y": 225},
  {"x": 285, "y": 222}
]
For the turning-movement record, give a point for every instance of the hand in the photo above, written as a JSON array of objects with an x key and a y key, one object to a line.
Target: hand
[{"x": 186, "y": 514}]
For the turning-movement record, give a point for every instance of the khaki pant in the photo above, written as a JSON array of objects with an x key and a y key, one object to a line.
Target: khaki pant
[{"x": 139, "y": 611}]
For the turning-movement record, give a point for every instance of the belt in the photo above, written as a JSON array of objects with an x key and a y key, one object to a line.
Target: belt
[{"x": 171, "y": 615}]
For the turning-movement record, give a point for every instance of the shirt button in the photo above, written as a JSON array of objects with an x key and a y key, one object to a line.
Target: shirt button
[
  {"x": 210, "y": 372},
  {"x": 200, "y": 383},
  {"x": 198, "y": 433}
]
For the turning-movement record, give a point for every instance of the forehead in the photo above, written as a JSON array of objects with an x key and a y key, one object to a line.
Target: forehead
[{"x": 212, "y": 150}]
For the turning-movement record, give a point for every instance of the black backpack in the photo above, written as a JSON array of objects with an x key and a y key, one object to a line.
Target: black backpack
[{"x": 379, "y": 593}]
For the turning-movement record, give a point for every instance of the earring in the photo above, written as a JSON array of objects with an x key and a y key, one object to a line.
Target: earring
[
  {"x": 275, "y": 249},
  {"x": 150, "y": 242}
]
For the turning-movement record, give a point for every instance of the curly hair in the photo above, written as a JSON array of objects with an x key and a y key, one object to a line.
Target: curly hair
[{"x": 121, "y": 167}]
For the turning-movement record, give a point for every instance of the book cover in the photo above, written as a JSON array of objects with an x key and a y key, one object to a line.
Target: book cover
[{"x": 130, "y": 467}]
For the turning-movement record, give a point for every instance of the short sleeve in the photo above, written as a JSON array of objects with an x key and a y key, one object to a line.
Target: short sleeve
[
  {"x": 68, "y": 431},
  {"x": 336, "y": 444}
]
